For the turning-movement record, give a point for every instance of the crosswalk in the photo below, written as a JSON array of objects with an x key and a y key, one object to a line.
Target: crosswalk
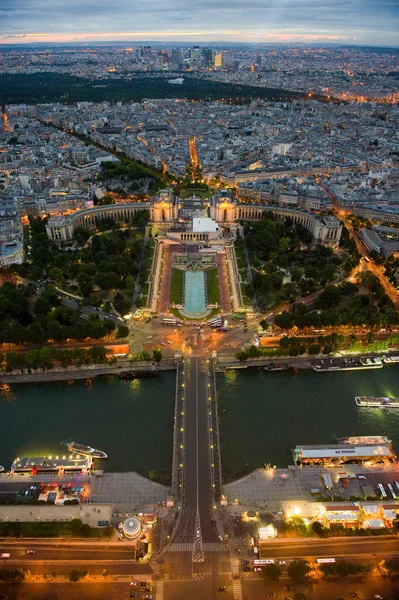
[
  {"x": 237, "y": 589},
  {"x": 198, "y": 576},
  {"x": 213, "y": 547},
  {"x": 181, "y": 547},
  {"x": 159, "y": 590}
]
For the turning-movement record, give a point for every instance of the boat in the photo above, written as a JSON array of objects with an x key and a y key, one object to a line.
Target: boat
[
  {"x": 276, "y": 367},
  {"x": 86, "y": 450},
  {"x": 364, "y": 440},
  {"x": 390, "y": 359},
  {"x": 323, "y": 365},
  {"x": 1, "y": 468},
  {"x": 374, "y": 402},
  {"x": 130, "y": 375}
]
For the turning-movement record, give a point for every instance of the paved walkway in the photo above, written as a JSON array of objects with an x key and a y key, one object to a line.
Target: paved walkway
[{"x": 127, "y": 490}]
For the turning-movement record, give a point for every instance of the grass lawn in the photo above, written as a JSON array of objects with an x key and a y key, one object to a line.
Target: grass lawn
[
  {"x": 202, "y": 193},
  {"x": 176, "y": 287},
  {"x": 212, "y": 282}
]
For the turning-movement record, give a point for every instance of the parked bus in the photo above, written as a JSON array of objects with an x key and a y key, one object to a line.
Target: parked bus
[
  {"x": 327, "y": 481},
  {"x": 169, "y": 322},
  {"x": 318, "y": 331},
  {"x": 258, "y": 562},
  {"x": 397, "y": 485},
  {"x": 381, "y": 490},
  {"x": 366, "y": 258},
  {"x": 216, "y": 324},
  {"x": 321, "y": 561},
  {"x": 214, "y": 319},
  {"x": 389, "y": 486}
]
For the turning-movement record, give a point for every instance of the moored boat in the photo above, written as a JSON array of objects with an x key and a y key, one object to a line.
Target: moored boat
[
  {"x": 377, "y": 402},
  {"x": 130, "y": 375},
  {"x": 86, "y": 450},
  {"x": 365, "y": 439}
]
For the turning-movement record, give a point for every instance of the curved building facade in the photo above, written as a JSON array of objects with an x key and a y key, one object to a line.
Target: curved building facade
[
  {"x": 61, "y": 228},
  {"x": 167, "y": 208}
]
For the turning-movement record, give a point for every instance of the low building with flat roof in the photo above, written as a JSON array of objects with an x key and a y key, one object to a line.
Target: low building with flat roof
[{"x": 338, "y": 454}]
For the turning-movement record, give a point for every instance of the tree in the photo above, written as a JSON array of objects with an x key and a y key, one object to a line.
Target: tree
[
  {"x": 123, "y": 331},
  {"x": 56, "y": 273},
  {"x": 284, "y": 320},
  {"x": 328, "y": 570},
  {"x": 299, "y": 570},
  {"x": 392, "y": 565},
  {"x": 329, "y": 297},
  {"x": 318, "y": 528},
  {"x": 81, "y": 235},
  {"x": 42, "y": 306},
  {"x": 272, "y": 572},
  {"x": 129, "y": 282},
  {"x": 12, "y": 575},
  {"x": 314, "y": 349},
  {"x": 76, "y": 575},
  {"x": 157, "y": 355}
]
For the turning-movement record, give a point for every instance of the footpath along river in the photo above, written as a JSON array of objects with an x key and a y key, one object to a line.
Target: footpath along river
[{"x": 262, "y": 416}]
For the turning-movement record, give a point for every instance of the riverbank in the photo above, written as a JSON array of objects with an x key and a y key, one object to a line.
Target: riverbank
[
  {"x": 232, "y": 361},
  {"x": 83, "y": 372}
]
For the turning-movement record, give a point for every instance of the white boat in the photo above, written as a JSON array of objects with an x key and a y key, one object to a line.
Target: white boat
[{"x": 377, "y": 402}]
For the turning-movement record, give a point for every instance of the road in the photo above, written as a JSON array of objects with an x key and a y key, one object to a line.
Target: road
[
  {"x": 196, "y": 511},
  {"x": 334, "y": 547}
]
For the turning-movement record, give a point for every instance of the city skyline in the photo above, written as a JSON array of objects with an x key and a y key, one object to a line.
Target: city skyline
[{"x": 259, "y": 21}]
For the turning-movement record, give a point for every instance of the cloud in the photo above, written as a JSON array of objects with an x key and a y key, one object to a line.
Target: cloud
[{"x": 366, "y": 19}]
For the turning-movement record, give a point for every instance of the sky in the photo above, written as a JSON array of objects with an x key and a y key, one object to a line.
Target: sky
[{"x": 363, "y": 22}]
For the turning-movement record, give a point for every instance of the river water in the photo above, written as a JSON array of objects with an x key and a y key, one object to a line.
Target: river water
[
  {"x": 131, "y": 421},
  {"x": 262, "y": 416}
]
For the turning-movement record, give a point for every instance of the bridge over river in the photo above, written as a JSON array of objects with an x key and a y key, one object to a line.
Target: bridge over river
[{"x": 196, "y": 552}]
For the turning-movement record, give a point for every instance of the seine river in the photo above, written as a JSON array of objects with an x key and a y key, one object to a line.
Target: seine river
[
  {"x": 131, "y": 421},
  {"x": 262, "y": 416}
]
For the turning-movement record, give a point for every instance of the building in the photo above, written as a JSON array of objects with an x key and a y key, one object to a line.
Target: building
[
  {"x": 218, "y": 60},
  {"x": 171, "y": 213},
  {"x": 382, "y": 240},
  {"x": 339, "y": 454}
]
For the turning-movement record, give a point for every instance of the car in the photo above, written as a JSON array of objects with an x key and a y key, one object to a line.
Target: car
[
  {"x": 148, "y": 596},
  {"x": 378, "y": 597},
  {"x": 271, "y": 595},
  {"x": 287, "y": 598},
  {"x": 133, "y": 595},
  {"x": 147, "y": 589},
  {"x": 282, "y": 563},
  {"x": 353, "y": 595},
  {"x": 143, "y": 583},
  {"x": 287, "y": 588},
  {"x": 132, "y": 583},
  {"x": 221, "y": 588},
  {"x": 31, "y": 552},
  {"x": 246, "y": 568},
  {"x": 258, "y": 569},
  {"x": 245, "y": 562}
]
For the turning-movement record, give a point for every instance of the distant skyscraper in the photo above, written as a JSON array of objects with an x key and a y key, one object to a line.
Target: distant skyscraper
[
  {"x": 236, "y": 66},
  {"x": 218, "y": 60},
  {"x": 207, "y": 57}
]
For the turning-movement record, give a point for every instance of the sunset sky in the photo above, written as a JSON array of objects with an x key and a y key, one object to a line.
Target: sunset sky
[{"x": 343, "y": 21}]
